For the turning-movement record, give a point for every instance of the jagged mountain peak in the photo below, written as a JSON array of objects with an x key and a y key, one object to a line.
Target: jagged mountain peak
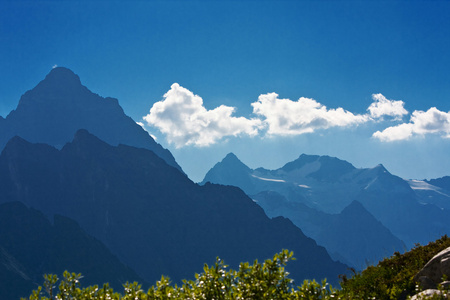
[
  {"x": 62, "y": 75},
  {"x": 83, "y": 140},
  {"x": 84, "y": 137},
  {"x": 300, "y": 162},
  {"x": 62, "y": 90},
  {"x": 13, "y": 146},
  {"x": 378, "y": 175},
  {"x": 83, "y": 134},
  {"x": 322, "y": 168},
  {"x": 16, "y": 140},
  {"x": 354, "y": 208},
  {"x": 17, "y": 146},
  {"x": 381, "y": 169},
  {"x": 229, "y": 164},
  {"x": 324, "y": 160},
  {"x": 59, "y": 105},
  {"x": 231, "y": 156},
  {"x": 231, "y": 160},
  {"x": 230, "y": 171}
]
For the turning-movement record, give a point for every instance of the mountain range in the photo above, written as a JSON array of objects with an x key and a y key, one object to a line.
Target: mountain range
[
  {"x": 327, "y": 197},
  {"x": 111, "y": 184},
  {"x": 85, "y": 187},
  {"x": 148, "y": 213}
]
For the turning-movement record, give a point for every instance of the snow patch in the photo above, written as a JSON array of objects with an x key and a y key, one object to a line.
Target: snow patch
[
  {"x": 268, "y": 179},
  {"x": 370, "y": 183},
  {"x": 424, "y": 186}
]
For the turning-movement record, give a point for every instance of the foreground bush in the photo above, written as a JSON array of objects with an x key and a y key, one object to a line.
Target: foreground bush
[
  {"x": 267, "y": 280},
  {"x": 392, "y": 278}
]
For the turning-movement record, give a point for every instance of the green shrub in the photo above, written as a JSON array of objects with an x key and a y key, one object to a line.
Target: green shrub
[
  {"x": 267, "y": 280},
  {"x": 392, "y": 278}
]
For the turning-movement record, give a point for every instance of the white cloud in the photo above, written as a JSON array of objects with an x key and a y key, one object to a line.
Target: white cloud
[
  {"x": 384, "y": 107},
  {"x": 400, "y": 132},
  {"x": 287, "y": 117},
  {"x": 183, "y": 118},
  {"x": 432, "y": 121}
]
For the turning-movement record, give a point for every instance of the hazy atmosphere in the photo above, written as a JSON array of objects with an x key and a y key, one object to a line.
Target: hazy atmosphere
[{"x": 365, "y": 81}]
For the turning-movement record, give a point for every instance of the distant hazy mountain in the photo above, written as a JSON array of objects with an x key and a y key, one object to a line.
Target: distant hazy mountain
[
  {"x": 59, "y": 105},
  {"x": 353, "y": 236},
  {"x": 31, "y": 246},
  {"x": 150, "y": 214},
  {"x": 321, "y": 182},
  {"x": 329, "y": 185}
]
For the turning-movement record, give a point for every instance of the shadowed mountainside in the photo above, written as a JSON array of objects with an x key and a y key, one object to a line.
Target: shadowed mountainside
[
  {"x": 31, "y": 246},
  {"x": 150, "y": 214}
]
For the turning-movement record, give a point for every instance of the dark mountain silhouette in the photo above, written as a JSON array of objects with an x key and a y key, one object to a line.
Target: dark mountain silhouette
[
  {"x": 150, "y": 214},
  {"x": 31, "y": 246},
  {"x": 59, "y": 105},
  {"x": 329, "y": 185}
]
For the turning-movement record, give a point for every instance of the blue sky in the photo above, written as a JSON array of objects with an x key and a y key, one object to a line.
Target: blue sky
[{"x": 267, "y": 80}]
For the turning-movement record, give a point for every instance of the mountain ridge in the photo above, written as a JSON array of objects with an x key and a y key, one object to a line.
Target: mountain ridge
[
  {"x": 150, "y": 214},
  {"x": 330, "y": 185}
]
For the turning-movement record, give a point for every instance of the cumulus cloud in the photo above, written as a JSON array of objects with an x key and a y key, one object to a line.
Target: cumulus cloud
[
  {"x": 384, "y": 107},
  {"x": 432, "y": 121},
  {"x": 185, "y": 121},
  {"x": 287, "y": 117},
  {"x": 400, "y": 132},
  {"x": 182, "y": 117}
]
